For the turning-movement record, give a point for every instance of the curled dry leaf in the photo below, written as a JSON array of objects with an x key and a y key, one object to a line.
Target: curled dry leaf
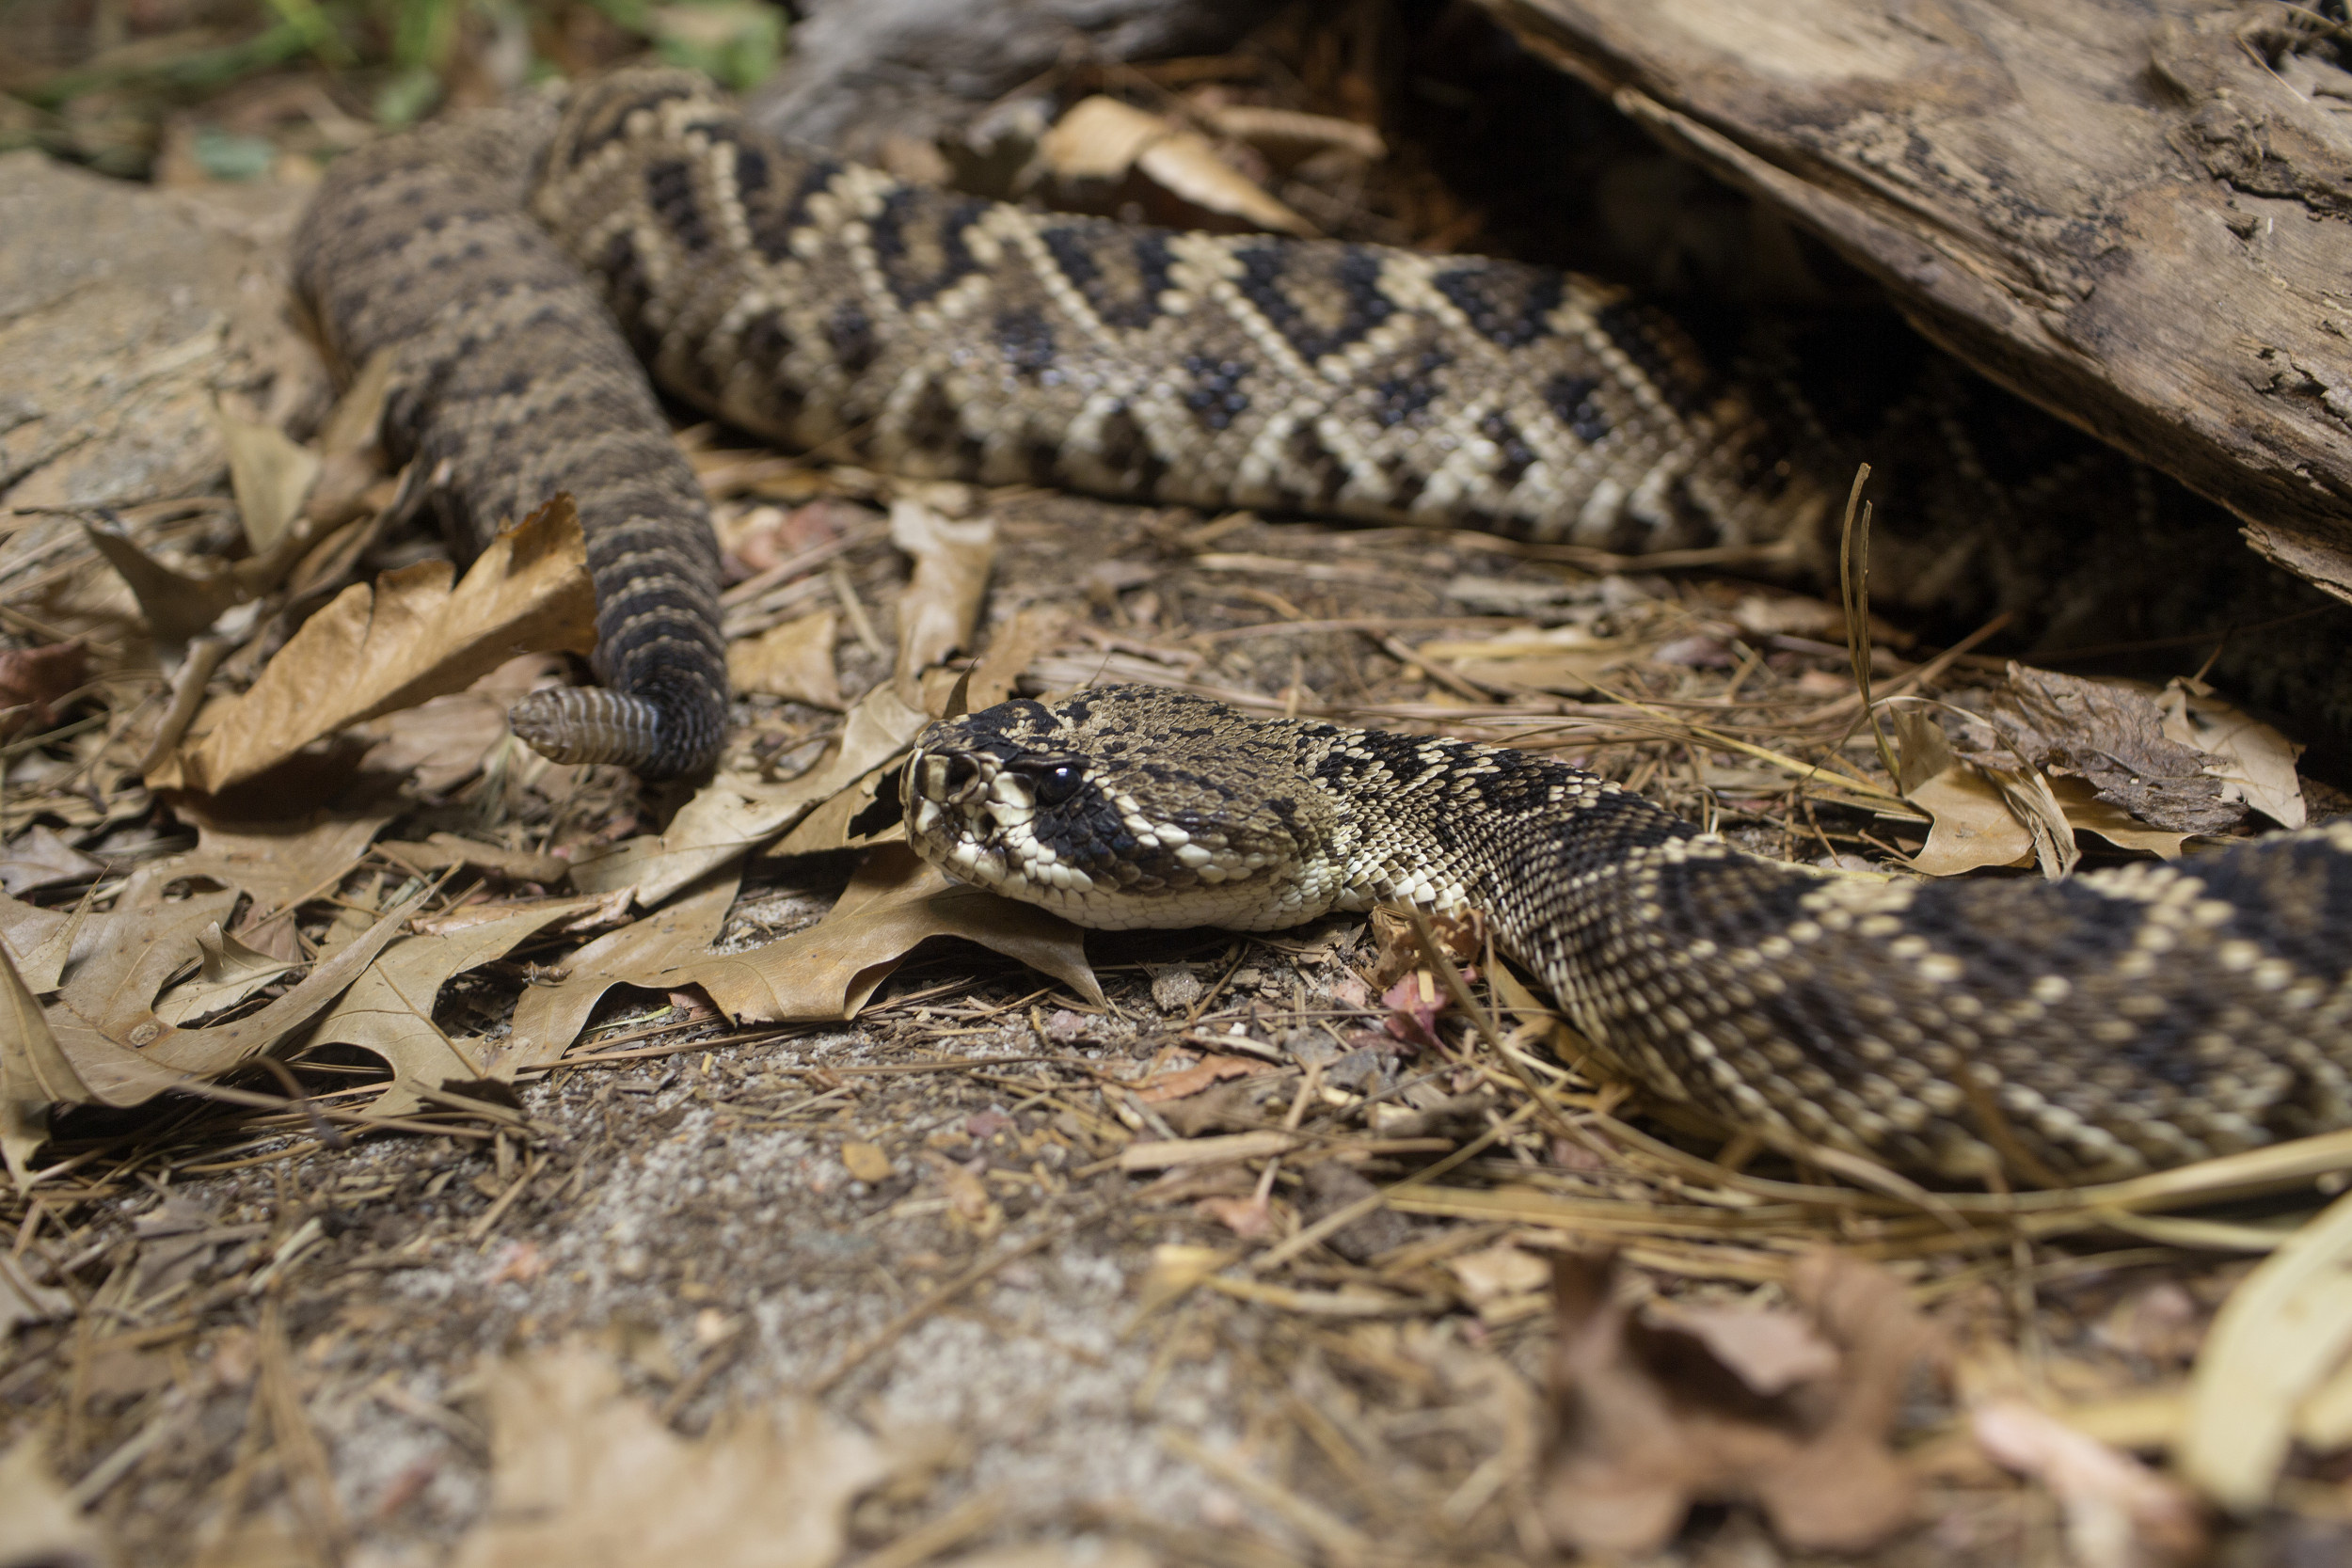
[
  {"x": 582, "y": 1477},
  {"x": 228, "y": 971},
  {"x": 1291, "y": 135},
  {"x": 124, "y": 1054},
  {"x": 2119, "y": 1513},
  {"x": 2255, "y": 761},
  {"x": 412, "y": 635},
  {"x": 1653, "y": 1418},
  {"x": 270, "y": 475},
  {"x": 893, "y": 904},
  {"x": 34, "y": 1075}
]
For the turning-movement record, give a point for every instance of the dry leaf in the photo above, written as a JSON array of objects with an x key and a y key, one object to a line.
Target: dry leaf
[
  {"x": 31, "y": 678},
  {"x": 42, "y": 859},
  {"x": 177, "y": 605},
  {"x": 1291, "y": 135},
  {"x": 582, "y": 1477},
  {"x": 411, "y": 636},
  {"x": 124, "y": 1054},
  {"x": 2272, "y": 1346},
  {"x": 793, "y": 661},
  {"x": 34, "y": 1075},
  {"x": 1652, "y": 1421},
  {"x": 1099, "y": 139},
  {"x": 1563, "y": 659},
  {"x": 442, "y": 851},
  {"x": 865, "y": 1162},
  {"x": 229, "y": 971},
  {"x": 2255, "y": 761},
  {"x": 1497, "y": 1272},
  {"x": 279, "y": 862},
  {"x": 1210, "y": 1070},
  {"x": 651, "y": 953},
  {"x": 737, "y": 813},
  {"x": 892, "y": 906},
  {"x": 1770, "y": 1351},
  {"x": 942, "y": 602},
  {"x": 2111, "y": 735},
  {"x": 40, "y": 1526},
  {"x": 2035, "y": 805},
  {"x": 388, "y": 1010},
  {"x": 269, "y": 474},
  {"x": 2119, "y": 1513},
  {"x": 1103, "y": 142}
]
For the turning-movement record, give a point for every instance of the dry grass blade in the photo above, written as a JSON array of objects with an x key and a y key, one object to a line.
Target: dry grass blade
[{"x": 1853, "y": 591}]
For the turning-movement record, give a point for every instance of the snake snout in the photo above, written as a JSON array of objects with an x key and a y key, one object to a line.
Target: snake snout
[{"x": 953, "y": 778}]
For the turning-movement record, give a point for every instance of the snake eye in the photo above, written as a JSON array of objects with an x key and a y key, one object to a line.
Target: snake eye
[{"x": 1056, "y": 782}]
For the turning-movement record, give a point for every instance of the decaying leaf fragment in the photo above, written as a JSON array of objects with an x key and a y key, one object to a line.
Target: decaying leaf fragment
[
  {"x": 31, "y": 678},
  {"x": 1656, "y": 1414},
  {"x": 893, "y": 904},
  {"x": 2119, "y": 1513},
  {"x": 2110, "y": 734},
  {"x": 582, "y": 1477},
  {"x": 412, "y": 635}
]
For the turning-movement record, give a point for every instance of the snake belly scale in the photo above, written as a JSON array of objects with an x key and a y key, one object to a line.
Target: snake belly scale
[{"x": 524, "y": 268}]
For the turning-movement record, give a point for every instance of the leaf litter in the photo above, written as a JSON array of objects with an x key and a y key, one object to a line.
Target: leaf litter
[{"x": 1376, "y": 1155}]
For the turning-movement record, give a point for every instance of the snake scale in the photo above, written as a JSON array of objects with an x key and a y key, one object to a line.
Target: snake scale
[{"x": 525, "y": 267}]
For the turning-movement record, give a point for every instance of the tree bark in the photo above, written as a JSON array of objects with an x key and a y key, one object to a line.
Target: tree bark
[{"x": 2136, "y": 212}]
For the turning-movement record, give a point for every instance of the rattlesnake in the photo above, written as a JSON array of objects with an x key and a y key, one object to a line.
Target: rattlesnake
[
  {"x": 830, "y": 307},
  {"x": 2133, "y": 1019},
  {"x": 2113, "y": 1023}
]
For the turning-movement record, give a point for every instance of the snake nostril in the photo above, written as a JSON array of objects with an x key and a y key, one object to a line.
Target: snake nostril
[{"x": 959, "y": 774}]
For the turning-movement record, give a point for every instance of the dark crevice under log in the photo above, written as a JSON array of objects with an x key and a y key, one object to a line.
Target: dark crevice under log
[{"x": 2136, "y": 212}]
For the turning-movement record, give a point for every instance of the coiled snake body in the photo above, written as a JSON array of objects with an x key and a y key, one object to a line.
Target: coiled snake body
[{"x": 518, "y": 265}]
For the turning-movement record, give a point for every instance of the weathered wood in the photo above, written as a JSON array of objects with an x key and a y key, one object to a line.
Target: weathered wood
[{"x": 2136, "y": 212}]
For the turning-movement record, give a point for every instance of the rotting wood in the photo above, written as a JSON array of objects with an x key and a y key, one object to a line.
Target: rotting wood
[{"x": 2136, "y": 212}]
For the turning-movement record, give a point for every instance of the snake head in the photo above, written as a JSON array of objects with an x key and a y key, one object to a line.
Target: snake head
[{"x": 1125, "y": 807}]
